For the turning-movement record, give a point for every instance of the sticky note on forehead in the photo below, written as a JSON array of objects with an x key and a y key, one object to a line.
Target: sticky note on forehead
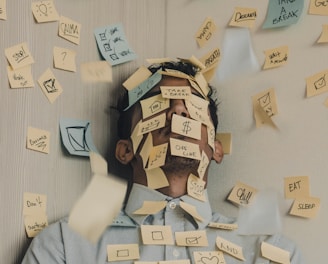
[{"x": 176, "y": 92}]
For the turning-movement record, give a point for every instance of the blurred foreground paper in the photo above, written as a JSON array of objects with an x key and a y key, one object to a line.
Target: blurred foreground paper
[
  {"x": 98, "y": 206},
  {"x": 237, "y": 55}
]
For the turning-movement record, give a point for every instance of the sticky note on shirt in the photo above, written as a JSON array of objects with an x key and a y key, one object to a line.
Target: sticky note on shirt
[
  {"x": 44, "y": 11},
  {"x": 242, "y": 194},
  {"x": 38, "y": 140},
  {"x": 20, "y": 78},
  {"x": 64, "y": 59},
  {"x": 214, "y": 257},
  {"x": 150, "y": 207},
  {"x": 191, "y": 238},
  {"x": 19, "y": 56},
  {"x": 205, "y": 32},
  {"x": 276, "y": 57},
  {"x": 157, "y": 235},
  {"x": 243, "y": 17},
  {"x": 307, "y": 207},
  {"x": 230, "y": 248},
  {"x": 297, "y": 186},
  {"x": 50, "y": 86},
  {"x": 138, "y": 77},
  {"x": 122, "y": 252},
  {"x": 69, "y": 30},
  {"x": 274, "y": 253}
]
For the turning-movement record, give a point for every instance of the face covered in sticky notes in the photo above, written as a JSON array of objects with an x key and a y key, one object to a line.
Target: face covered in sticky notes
[{"x": 179, "y": 134}]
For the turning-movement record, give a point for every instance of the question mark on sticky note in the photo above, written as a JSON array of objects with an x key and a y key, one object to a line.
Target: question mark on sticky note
[{"x": 65, "y": 53}]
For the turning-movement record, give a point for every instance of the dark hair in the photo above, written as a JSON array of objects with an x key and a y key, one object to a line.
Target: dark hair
[{"x": 125, "y": 116}]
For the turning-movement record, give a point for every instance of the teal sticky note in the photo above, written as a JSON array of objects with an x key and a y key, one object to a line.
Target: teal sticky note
[
  {"x": 76, "y": 136},
  {"x": 138, "y": 92},
  {"x": 113, "y": 45},
  {"x": 283, "y": 13}
]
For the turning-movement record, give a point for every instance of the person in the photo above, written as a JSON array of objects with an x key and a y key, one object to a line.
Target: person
[{"x": 182, "y": 214}]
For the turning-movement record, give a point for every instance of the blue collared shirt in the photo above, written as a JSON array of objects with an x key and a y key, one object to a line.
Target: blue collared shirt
[{"x": 59, "y": 244}]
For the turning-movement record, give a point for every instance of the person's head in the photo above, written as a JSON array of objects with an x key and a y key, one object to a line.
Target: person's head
[{"x": 189, "y": 108}]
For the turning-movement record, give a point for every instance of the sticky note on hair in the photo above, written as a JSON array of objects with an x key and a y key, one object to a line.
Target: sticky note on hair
[
  {"x": 139, "y": 76},
  {"x": 297, "y": 186}
]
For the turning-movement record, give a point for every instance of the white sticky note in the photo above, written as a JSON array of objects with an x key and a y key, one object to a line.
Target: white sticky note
[{"x": 157, "y": 235}]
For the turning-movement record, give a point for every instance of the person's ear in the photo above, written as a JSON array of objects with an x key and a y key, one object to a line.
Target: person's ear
[
  {"x": 218, "y": 152},
  {"x": 124, "y": 151}
]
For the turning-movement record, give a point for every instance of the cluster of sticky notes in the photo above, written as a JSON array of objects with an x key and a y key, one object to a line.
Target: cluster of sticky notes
[
  {"x": 35, "y": 213},
  {"x": 304, "y": 205}
]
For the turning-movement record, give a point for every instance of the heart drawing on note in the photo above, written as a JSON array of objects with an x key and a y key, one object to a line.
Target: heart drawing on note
[{"x": 212, "y": 260}]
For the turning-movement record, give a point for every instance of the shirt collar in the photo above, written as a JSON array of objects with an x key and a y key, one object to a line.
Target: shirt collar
[{"x": 140, "y": 193}]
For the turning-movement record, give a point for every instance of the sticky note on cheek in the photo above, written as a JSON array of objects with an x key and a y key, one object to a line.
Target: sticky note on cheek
[{"x": 184, "y": 149}]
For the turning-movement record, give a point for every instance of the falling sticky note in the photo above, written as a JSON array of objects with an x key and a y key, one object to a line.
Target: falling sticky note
[
  {"x": 196, "y": 238},
  {"x": 98, "y": 164},
  {"x": 69, "y": 30},
  {"x": 184, "y": 149},
  {"x": 243, "y": 17},
  {"x": 211, "y": 58},
  {"x": 50, "y": 85},
  {"x": 307, "y": 207},
  {"x": 157, "y": 235},
  {"x": 19, "y": 56},
  {"x": 297, "y": 186},
  {"x": 318, "y": 8},
  {"x": 230, "y": 248},
  {"x": 205, "y": 32},
  {"x": 283, "y": 13},
  {"x": 96, "y": 71},
  {"x": 3, "y": 10},
  {"x": 186, "y": 127},
  {"x": 122, "y": 252},
  {"x": 38, "y": 140},
  {"x": 317, "y": 84},
  {"x": 274, "y": 253},
  {"x": 20, "y": 78},
  {"x": 44, "y": 11},
  {"x": 113, "y": 44},
  {"x": 64, "y": 59},
  {"x": 276, "y": 57},
  {"x": 76, "y": 136},
  {"x": 242, "y": 194}
]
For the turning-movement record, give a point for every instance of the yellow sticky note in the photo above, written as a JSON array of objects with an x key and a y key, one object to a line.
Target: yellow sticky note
[
  {"x": 146, "y": 148},
  {"x": 191, "y": 238},
  {"x": 154, "y": 105},
  {"x": 198, "y": 109},
  {"x": 211, "y": 136},
  {"x": 214, "y": 257},
  {"x": 274, "y": 253},
  {"x": 157, "y": 156},
  {"x": 44, "y": 11},
  {"x": 307, "y": 207},
  {"x": 136, "y": 139},
  {"x": 211, "y": 58},
  {"x": 69, "y": 30},
  {"x": 64, "y": 59},
  {"x": 243, "y": 17},
  {"x": 156, "y": 178},
  {"x": 35, "y": 223},
  {"x": 175, "y": 92},
  {"x": 196, "y": 187},
  {"x": 186, "y": 127},
  {"x": 121, "y": 252},
  {"x": 230, "y": 248},
  {"x": 192, "y": 210},
  {"x": 184, "y": 149},
  {"x": 50, "y": 85},
  {"x": 242, "y": 194},
  {"x": 297, "y": 186},
  {"x": 34, "y": 203},
  {"x": 3, "y": 10},
  {"x": 224, "y": 226},
  {"x": 38, "y": 140},
  {"x": 157, "y": 235},
  {"x": 140, "y": 75},
  {"x": 20, "y": 78},
  {"x": 326, "y": 102},
  {"x": 152, "y": 124},
  {"x": 317, "y": 84},
  {"x": 276, "y": 57},
  {"x": 226, "y": 141},
  {"x": 318, "y": 8},
  {"x": 202, "y": 83},
  {"x": 96, "y": 71},
  {"x": 324, "y": 35},
  {"x": 203, "y": 164},
  {"x": 19, "y": 56},
  {"x": 205, "y": 32},
  {"x": 150, "y": 207}
]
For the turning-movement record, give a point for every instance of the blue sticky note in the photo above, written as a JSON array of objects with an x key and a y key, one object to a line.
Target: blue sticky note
[
  {"x": 76, "y": 136},
  {"x": 136, "y": 93},
  {"x": 113, "y": 44},
  {"x": 283, "y": 13}
]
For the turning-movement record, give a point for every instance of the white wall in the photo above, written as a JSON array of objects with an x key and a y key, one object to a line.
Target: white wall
[{"x": 260, "y": 157}]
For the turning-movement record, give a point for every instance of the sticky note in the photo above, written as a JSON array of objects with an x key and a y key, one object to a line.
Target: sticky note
[
  {"x": 211, "y": 136},
  {"x": 276, "y": 57},
  {"x": 69, "y": 30},
  {"x": 157, "y": 156},
  {"x": 157, "y": 235},
  {"x": 122, "y": 252},
  {"x": 205, "y": 32},
  {"x": 180, "y": 261},
  {"x": 192, "y": 210},
  {"x": 76, "y": 136},
  {"x": 175, "y": 73},
  {"x": 156, "y": 178},
  {"x": 194, "y": 61},
  {"x": 224, "y": 226},
  {"x": 326, "y": 102},
  {"x": 243, "y": 17},
  {"x": 3, "y": 10},
  {"x": 136, "y": 139},
  {"x": 226, "y": 141},
  {"x": 44, "y": 11},
  {"x": 198, "y": 109},
  {"x": 146, "y": 149},
  {"x": 35, "y": 223},
  {"x": 211, "y": 58},
  {"x": 216, "y": 257},
  {"x": 242, "y": 194},
  {"x": 274, "y": 253},
  {"x": 176, "y": 92},
  {"x": 19, "y": 56},
  {"x": 186, "y": 127},
  {"x": 150, "y": 207},
  {"x": 34, "y": 203},
  {"x": 113, "y": 44},
  {"x": 96, "y": 71},
  {"x": 89, "y": 220},
  {"x": 317, "y": 84},
  {"x": 50, "y": 86},
  {"x": 283, "y": 13},
  {"x": 318, "y": 8},
  {"x": 184, "y": 149},
  {"x": 64, "y": 59},
  {"x": 154, "y": 105},
  {"x": 152, "y": 124},
  {"x": 297, "y": 186},
  {"x": 307, "y": 207},
  {"x": 202, "y": 83},
  {"x": 20, "y": 78},
  {"x": 230, "y": 248},
  {"x": 203, "y": 164},
  {"x": 38, "y": 140},
  {"x": 196, "y": 238},
  {"x": 196, "y": 187},
  {"x": 139, "y": 76},
  {"x": 324, "y": 34}
]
